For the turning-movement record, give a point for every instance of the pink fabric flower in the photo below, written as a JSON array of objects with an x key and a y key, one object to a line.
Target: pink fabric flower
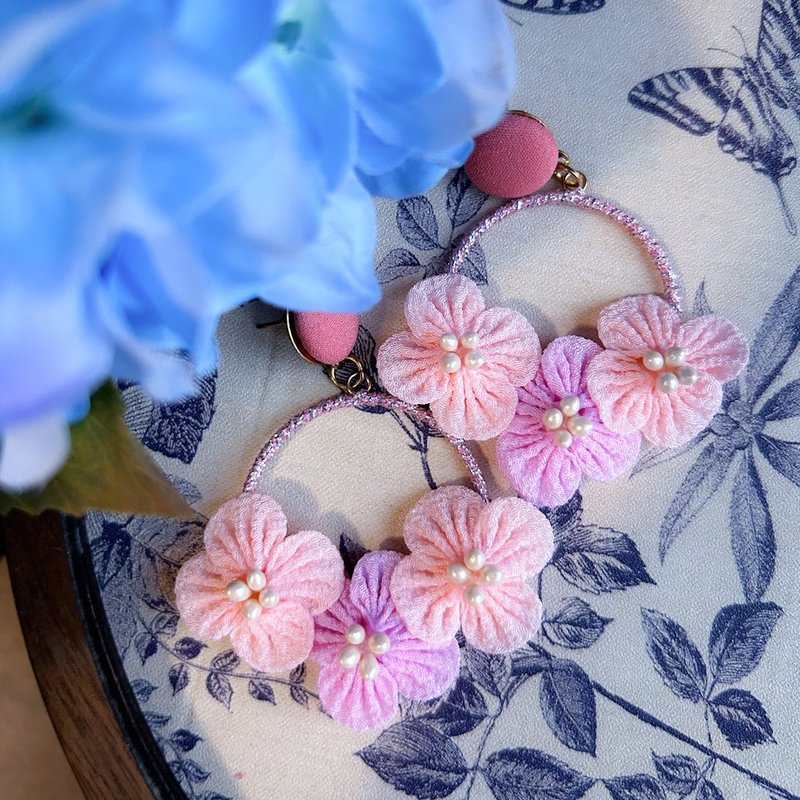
[
  {"x": 660, "y": 375},
  {"x": 258, "y": 585},
  {"x": 469, "y": 567},
  {"x": 461, "y": 358},
  {"x": 557, "y": 435},
  {"x": 366, "y": 655}
]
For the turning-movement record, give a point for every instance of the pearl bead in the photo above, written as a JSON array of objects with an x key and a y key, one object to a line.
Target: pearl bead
[
  {"x": 473, "y": 359},
  {"x": 251, "y": 609},
  {"x": 268, "y": 598},
  {"x": 458, "y": 573},
  {"x": 674, "y": 356},
  {"x": 379, "y": 643},
  {"x": 449, "y": 342},
  {"x": 474, "y": 559},
  {"x": 653, "y": 360},
  {"x": 469, "y": 341},
  {"x": 570, "y": 405},
  {"x": 579, "y": 426},
  {"x": 687, "y": 375},
  {"x": 492, "y": 574},
  {"x": 552, "y": 419},
  {"x": 349, "y": 656},
  {"x": 256, "y": 580},
  {"x": 474, "y": 594},
  {"x": 356, "y": 634},
  {"x": 451, "y": 362},
  {"x": 667, "y": 382},
  {"x": 562, "y": 438},
  {"x": 369, "y": 667},
  {"x": 237, "y": 591}
]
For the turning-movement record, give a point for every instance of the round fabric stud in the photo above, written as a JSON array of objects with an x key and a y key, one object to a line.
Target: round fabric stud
[{"x": 326, "y": 337}]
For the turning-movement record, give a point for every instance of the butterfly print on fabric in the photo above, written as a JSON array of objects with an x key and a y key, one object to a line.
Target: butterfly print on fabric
[
  {"x": 745, "y": 104},
  {"x": 556, "y": 6}
]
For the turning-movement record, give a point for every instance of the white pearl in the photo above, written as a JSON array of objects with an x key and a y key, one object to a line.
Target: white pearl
[
  {"x": 451, "y": 362},
  {"x": 474, "y": 594},
  {"x": 369, "y": 667},
  {"x": 458, "y": 573},
  {"x": 349, "y": 656},
  {"x": 474, "y": 559},
  {"x": 449, "y": 342},
  {"x": 579, "y": 426},
  {"x": 492, "y": 574},
  {"x": 237, "y": 591},
  {"x": 667, "y": 382},
  {"x": 379, "y": 643},
  {"x": 268, "y": 598},
  {"x": 473, "y": 359},
  {"x": 469, "y": 341},
  {"x": 356, "y": 634},
  {"x": 251, "y": 609},
  {"x": 552, "y": 419},
  {"x": 653, "y": 360},
  {"x": 256, "y": 580},
  {"x": 687, "y": 375},
  {"x": 562, "y": 438},
  {"x": 570, "y": 405},
  {"x": 674, "y": 356}
]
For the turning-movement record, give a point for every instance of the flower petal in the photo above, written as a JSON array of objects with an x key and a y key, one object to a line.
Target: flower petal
[
  {"x": 201, "y": 600},
  {"x": 604, "y": 455},
  {"x": 355, "y": 702},
  {"x": 714, "y": 346},
  {"x": 509, "y": 343},
  {"x": 369, "y": 589},
  {"x": 410, "y": 370},
  {"x": 279, "y": 640},
  {"x": 636, "y": 324},
  {"x": 330, "y": 627},
  {"x": 443, "y": 304},
  {"x": 622, "y": 390},
  {"x": 509, "y": 616},
  {"x": 422, "y": 671},
  {"x": 564, "y": 363}
]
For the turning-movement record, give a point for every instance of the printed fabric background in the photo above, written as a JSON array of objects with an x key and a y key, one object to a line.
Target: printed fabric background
[{"x": 667, "y": 663}]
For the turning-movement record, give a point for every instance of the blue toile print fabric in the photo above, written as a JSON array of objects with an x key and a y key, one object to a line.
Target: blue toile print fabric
[{"x": 667, "y": 662}]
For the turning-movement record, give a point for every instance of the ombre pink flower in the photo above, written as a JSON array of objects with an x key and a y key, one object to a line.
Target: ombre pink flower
[
  {"x": 470, "y": 567},
  {"x": 557, "y": 436},
  {"x": 660, "y": 375},
  {"x": 459, "y": 357},
  {"x": 366, "y": 655},
  {"x": 257, "y": 585}
]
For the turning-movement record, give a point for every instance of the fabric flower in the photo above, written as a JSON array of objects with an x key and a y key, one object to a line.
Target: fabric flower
[
  {"x": 461, "y": 358},
  {"x": 257, "y": 585},
  {"x": 557, "y": 435},
  {"x": 469, "y": 567},
  {"x": 660, "y": 375},
  {"x": 367, "y": 656}
]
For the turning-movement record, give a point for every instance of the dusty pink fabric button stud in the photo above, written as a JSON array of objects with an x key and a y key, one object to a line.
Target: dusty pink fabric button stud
[
  {"x": 515, "y": 158},
  {"x": 326, "y": 337}
]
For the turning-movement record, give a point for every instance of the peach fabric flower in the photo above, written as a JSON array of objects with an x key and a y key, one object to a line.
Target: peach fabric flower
[
  {"x": 257, "y": 585},
  {"x": 469, "y": 567},
  {"x": 660, "y": 375},
  {"x": 461, "y": 358}
]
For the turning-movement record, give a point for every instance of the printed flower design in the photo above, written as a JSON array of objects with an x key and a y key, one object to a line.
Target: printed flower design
[
  {"x": 557, "y": 435},
  {"x": 468, "y": 568},
  {"x": 461, "y": 358},
  {"x": 660, "y": 375},
  {"x": 367, "y": 656},
  {"x": 258, "y": 585}
]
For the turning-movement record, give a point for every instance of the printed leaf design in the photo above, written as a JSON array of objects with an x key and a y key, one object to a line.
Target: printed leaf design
[
  {"x": 262, "y": 691},
  {"x": 461, "y": 711},
  {"x": 738, "y": 638},
  {"x": 675, "y": 657},
  {"x": 178, "y": 678},
  {"x": 396, "y": 264},
  {"x": 530, "y": 660},
  {"x": 565, "y": 518},
  {"x": 525, "y": 774},
  {"x": 784, "y": 404},
  {"x": 416, "y": 759},
  {"x": 219, "y": 687},
  {"x": 709, "y": 791},
  {"x": 677, "y": 773},
  {"x": 351, "y": 551},
  {"x": 634, "y": 787},
  {"x": 299, "y": 694},
  {"x": 463, "y": 199},
  {"x": 146, "y": 646},
  {"x": 417, "y": 224},
  {"x": 156, "y": 720},
  {"x": 184, "y": 740},
  {"x": 568, "y": 704},
  {"x": 576, "y": 624},
  {"x": 226, "y": 661},
  {"x": 556, "y": 7},
  {"x": 783, "y": 456},
  {"x": 193, "y": 771},
  {"x": 741, "y": 718},
  {"x": 474, "y": 266},
  {"x": 489, "y": 670},
  {"x": 188, "y": 648},
  {"x": 111, "y": 552},
  {"x": 142, "y": 689}
]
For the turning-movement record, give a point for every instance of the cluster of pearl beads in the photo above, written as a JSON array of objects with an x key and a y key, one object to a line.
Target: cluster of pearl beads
[
  {"x": 677, "y": 373},
  {"x": 472, "y": 573},
  {"x": 253, "y": 593},
  {"x": 565, "y": 422},
  {"x": 451, "y": 361},
  {"x": 354, "y": 655}
]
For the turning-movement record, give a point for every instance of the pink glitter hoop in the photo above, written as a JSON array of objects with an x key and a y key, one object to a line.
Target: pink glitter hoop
[
  {"x": 363, "y": 401},
  {"x": 673, "y": 292}
]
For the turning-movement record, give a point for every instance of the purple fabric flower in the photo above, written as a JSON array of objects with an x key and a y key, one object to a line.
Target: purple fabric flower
[
  {"x": 366, "y": 655},
  {"x": 557, "y": 435}
]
